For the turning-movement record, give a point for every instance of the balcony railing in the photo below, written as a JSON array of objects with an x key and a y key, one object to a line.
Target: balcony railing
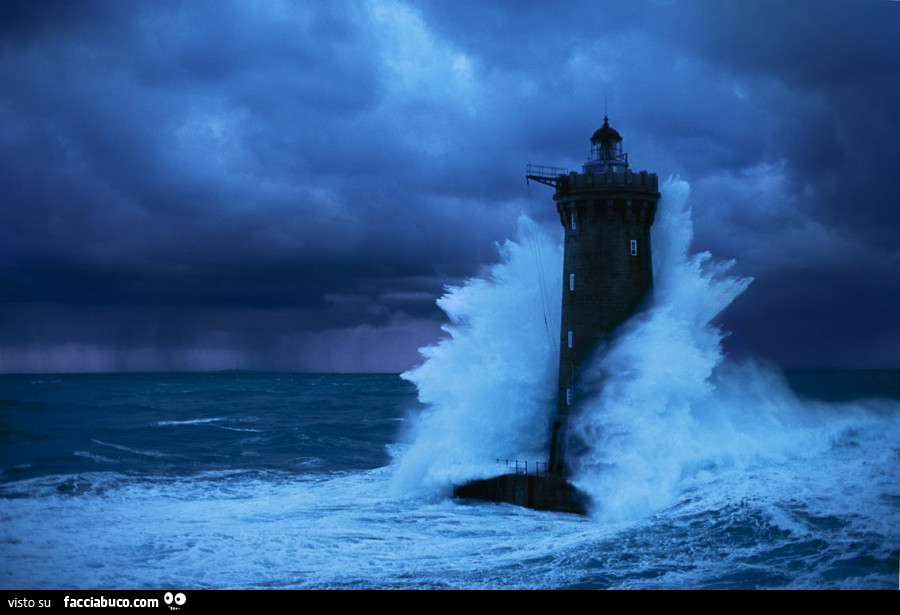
[
  {"x": 544, "y": 174},
  {"x": 519, "y": 466}
]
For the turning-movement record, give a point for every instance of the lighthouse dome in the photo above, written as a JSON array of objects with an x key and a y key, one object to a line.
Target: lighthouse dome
[
  {"x": 606, "y": 151},
  {"x": 606, "y": 133}
]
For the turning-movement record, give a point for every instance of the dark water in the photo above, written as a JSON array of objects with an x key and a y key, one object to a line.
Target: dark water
[
  {"x": 184, "y": 424},
  {"x": 844, "y": 385},
  {"x": 245, "y": 480}
]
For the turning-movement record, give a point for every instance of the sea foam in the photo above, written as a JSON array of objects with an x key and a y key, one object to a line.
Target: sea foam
[
  {"x": 489, "y": 385},
  {"x": 663, "y": 409}
]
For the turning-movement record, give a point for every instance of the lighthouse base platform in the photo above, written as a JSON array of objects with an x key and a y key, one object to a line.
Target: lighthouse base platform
[{"x": 552, "y": 493}]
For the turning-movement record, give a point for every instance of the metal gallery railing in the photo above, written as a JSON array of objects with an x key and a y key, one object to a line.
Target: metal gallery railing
[{"x": 519, "y": 466}]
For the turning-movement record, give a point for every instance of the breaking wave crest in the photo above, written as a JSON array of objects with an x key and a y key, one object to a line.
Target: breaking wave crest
[
  {"x": 489, "y": 385},
  {"x": 669, "y": 413}
]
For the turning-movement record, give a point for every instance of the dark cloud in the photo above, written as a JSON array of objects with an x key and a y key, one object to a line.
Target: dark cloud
[{"x": 291, "y": 185}]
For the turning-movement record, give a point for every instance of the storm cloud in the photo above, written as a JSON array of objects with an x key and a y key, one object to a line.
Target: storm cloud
[{"x": 281, "y": 185}]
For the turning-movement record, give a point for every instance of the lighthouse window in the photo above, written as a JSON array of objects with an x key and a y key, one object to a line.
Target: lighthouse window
[
  {"x": 573, "y": 220},
  {"x": 634, "y": 247},
  {"x": 570, "y": 339},
  {"x": 568, "y": 396},
  {"x": 571, "y": 281}
]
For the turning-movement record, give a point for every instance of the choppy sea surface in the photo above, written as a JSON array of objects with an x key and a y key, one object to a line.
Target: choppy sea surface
[
  {"x": 705, "y": 472},
  {"x": 237, "y": 480}
]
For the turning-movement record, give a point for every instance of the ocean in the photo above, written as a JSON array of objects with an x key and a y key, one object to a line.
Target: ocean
[
  {"x": 246, "y": 480},
  {"x": 706, "y": 472}
]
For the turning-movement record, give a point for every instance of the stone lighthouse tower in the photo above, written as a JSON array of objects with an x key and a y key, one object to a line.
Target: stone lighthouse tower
[{"x": 606, "y": 211}]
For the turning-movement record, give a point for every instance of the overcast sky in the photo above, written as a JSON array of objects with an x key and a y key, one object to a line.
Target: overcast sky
[{"x": 289, "y": 185}]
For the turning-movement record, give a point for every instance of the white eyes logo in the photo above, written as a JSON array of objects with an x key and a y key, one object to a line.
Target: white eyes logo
[{"x": 179, "y": 599}]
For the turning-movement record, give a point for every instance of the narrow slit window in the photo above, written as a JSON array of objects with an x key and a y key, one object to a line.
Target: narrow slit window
[
  {"x": 568, "y": 396},
  {"x": 570, "y": 339},
  {"x": 634, "y": 247},
  {"x": 573, "y": 220},
  {"x": 571, "y": 281}
]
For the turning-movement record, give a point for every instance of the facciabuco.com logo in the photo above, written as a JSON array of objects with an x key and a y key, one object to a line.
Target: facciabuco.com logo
[
  {"x": 94, "y": 602},
  {"x": 175, "y": 601}
]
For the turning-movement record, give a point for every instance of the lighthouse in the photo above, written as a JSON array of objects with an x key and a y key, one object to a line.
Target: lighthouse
[{"x": 606, "y": 212}]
